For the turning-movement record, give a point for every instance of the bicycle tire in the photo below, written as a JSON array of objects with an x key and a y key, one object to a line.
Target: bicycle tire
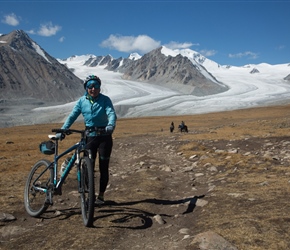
[
  {"x": 87, "y": 191},
  {"x": 35, "y": 200}
]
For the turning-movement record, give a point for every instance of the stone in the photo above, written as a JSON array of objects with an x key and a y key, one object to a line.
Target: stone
[{"x": 211, "y": 240}]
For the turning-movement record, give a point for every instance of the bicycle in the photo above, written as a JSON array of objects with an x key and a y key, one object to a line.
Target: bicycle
[{"x": 44, "y": 181}]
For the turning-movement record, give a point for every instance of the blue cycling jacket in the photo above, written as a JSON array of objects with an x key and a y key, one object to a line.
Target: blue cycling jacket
[{"x": 97, "y": 112}]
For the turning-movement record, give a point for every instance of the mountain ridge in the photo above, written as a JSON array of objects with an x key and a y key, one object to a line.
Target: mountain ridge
[
  {"x": 206, "y": 69},
  {"x": 159, "y": 83},
  {"x": 28, "y": 71},
  {"x": 178, "y": 73}
]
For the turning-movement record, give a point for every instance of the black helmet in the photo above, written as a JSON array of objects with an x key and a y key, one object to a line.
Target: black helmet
[{"x": 91, "y": 77}]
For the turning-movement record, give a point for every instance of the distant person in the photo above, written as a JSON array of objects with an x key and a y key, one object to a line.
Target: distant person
[
  {"x": 172, "y": 127},
  {"x": 182, "y": 124},
  {"x": 98, "y": 112},
  {"x": 182, "y": 127}
]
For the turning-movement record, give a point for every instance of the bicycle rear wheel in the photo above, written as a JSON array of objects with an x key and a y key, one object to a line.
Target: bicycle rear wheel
[
  {"x": 35, "y": 199},
  {"x": 87, "y": 190}
]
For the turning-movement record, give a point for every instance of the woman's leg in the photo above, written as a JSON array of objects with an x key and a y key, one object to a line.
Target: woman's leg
[{"x": 105, "y": 150}]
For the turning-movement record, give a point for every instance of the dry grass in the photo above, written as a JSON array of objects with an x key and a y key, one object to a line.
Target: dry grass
[{"x": 257, "y": 219}]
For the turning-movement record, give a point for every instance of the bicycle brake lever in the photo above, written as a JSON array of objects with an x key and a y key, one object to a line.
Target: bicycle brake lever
[{"x": 68, "y": 132}]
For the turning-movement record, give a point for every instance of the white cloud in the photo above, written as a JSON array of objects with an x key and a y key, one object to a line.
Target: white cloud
[
  {"x": 208, "y": 53},
  {"x": 48, "y": 29},
  {"x": 61, "y": 39},
  {"x": 176, "y": 45},
  {"x": 141, "y": 43},
  {"x": 11, "y": 19},
  {"x": 249, "y": 54},
  {"x": 32, "y": 32},
  {"x": 281, "y": 47}
]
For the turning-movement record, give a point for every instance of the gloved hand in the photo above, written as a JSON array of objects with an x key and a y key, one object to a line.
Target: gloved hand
[
  {"x": 110, "y": 129},
  {"x": 61, "y": 136}
]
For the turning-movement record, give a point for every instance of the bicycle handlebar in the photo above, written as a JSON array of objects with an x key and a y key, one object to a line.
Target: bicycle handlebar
[
  {"x": 70, "y": 131},
  {"x": 67, "y": 131}
]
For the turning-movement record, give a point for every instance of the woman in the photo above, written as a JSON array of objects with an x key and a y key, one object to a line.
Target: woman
[{"x": 98, "y": 112}]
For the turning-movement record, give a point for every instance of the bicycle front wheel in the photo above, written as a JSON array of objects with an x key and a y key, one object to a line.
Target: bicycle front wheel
[
  {"x": 87, "y": 190},
  {"x": 37, "y": 184}
]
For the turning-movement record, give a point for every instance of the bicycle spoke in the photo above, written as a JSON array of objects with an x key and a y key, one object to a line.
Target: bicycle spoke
[{"x": 34, "y": 195}]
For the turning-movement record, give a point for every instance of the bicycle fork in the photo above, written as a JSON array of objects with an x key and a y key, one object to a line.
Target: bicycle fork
[
  {"x": 81, "y": 176},
  {"x": 55, "y": 186}
]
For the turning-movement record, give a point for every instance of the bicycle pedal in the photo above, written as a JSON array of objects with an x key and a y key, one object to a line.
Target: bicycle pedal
[
  {"x": 48, "y": 201},
  {"x": 58, "y": 191}
]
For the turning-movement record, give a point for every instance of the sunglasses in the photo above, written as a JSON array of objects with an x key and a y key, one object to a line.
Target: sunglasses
[{"x": 96, "y": 86}]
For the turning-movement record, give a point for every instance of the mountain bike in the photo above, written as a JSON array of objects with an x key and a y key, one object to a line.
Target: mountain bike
[{"x": 44, "y": 181}]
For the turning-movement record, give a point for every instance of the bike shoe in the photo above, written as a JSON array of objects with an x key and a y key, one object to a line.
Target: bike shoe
[{"x": 99, "y": 201}]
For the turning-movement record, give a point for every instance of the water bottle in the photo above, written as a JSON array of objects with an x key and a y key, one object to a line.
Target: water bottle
[{"x": 63, "y": 166}]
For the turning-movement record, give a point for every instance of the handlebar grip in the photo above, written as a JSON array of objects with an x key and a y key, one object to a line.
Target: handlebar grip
[
  {"x": 57, "y": 130},
  {"x": 67, "y": 131}
]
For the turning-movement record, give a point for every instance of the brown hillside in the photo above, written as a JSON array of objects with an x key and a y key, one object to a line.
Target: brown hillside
[{"x": 229, "y": 175}]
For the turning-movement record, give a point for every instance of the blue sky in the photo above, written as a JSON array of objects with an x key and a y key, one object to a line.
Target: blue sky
[{"x": 228, "y": 32}]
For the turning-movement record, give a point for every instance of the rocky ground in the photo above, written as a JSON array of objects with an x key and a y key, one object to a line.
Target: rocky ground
[{"x": 223, "y": 185}]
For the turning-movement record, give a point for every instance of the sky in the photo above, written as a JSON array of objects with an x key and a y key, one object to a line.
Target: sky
[{"x": 229, "y": 32}]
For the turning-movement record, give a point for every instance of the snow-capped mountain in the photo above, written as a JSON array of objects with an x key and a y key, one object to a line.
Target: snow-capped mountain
[
  {"x": 161, "y": 82},
  {"x": 134, "y": 56},
  {"x": 248, "y": 86},
  {"x": 151, "y": 69},
  {"x": 163, "y": 67}
]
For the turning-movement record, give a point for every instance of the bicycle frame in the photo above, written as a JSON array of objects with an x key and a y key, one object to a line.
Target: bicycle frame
[
  {"x": 57, "y": 182},
  {"x": 44, "y": 182}
]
